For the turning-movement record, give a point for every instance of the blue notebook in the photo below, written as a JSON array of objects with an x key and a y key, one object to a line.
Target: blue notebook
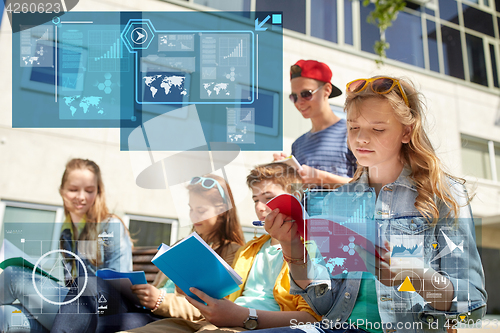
[
  {"x": 193, "y": 263},
  {"x": 138, "y": 277}
]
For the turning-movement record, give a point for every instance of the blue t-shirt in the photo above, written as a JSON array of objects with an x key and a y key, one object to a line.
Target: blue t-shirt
[{"x": 326, "y": 150}]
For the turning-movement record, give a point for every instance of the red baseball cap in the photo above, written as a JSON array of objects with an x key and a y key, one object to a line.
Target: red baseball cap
[{"x": 315, "y": 70}]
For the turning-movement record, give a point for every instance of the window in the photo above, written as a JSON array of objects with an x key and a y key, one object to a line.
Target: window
[
  {"x": 348, "y": 39},
  {"x": 476, "y": 60},
  {"x": 43, "y": 221},
  {"x": 405, "y": 40},
  {"x": 493, "y": 56},
  {"x": 478, "y": 20},
  {"x": 369, "y": 32},
  {"x": 448, "y": 10},
  {"x": 151, "y": 231},
  {"x": 432, "y": 45},
  {"x": 480, "y": 157},
  {"x": 324, "y": 24},
  {"x": 452, "y": 52}
]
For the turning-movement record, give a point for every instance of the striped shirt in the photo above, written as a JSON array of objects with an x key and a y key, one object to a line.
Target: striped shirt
[{"x": 326, "y": 150}]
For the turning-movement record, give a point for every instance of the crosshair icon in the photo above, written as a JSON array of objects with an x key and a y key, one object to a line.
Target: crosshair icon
[{"x": 37, "y": 265}]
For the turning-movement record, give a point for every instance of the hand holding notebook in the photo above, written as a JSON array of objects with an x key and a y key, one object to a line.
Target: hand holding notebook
[
  {"x": 334, "y": 235},
  {"x": 193, "y": 263}
]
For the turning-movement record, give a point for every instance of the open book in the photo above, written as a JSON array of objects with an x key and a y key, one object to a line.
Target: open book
[
  {"x": 122, "y": 281},
  {"x": 23, "y": 262},
  {"x": 291, "y": 161},
  {"x": 193, "y": 263},
  {"x": 336, "y": 233},
  {"x": 16, "y": 257}
]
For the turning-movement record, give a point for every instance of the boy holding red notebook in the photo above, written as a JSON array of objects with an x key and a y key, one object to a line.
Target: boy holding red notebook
[{"x": 263, "y": 300}]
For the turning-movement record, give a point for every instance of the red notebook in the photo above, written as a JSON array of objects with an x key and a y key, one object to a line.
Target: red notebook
[
  {"x": 335, "y": 241},
  {"x": 289, "y": 205}
]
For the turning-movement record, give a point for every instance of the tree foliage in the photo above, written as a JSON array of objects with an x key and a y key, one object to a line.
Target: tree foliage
[{"x": 385, "y": 12}]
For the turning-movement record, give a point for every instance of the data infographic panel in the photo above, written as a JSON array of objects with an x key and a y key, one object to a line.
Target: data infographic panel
[
  {"x": 121, "y": 69},
  {"x": 349, "y": 235},
  {"x": 51, "y": 270}
]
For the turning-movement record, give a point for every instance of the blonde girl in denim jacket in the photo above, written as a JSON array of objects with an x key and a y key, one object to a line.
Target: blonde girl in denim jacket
[
  {"x": 416, "y": 201},
  {"x": 87, "y": 218}
]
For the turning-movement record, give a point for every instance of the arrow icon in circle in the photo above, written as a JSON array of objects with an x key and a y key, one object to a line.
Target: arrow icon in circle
[
  {"x": 139, "y": 35},
  {"x": 258, "y": 26}
]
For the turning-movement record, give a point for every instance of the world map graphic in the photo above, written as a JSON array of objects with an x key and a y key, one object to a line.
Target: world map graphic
[
  {"x": 84, "y": 103},
  {"x": 218, "y": 88},
  {"x": 165, "y": 87}
]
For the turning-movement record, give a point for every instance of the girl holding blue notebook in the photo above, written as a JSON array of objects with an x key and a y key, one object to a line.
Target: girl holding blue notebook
[
  {"x": 209, "y": 199},
  {"x": 214, "y": 217}
]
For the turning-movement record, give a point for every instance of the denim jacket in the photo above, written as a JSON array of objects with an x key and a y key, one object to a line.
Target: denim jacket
[
  {"x": 115, "y": 248},
  {"x": 395, "y": 213}
]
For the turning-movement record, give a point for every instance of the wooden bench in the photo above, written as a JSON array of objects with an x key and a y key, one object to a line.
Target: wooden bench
[{"x": 141, "y": 260}]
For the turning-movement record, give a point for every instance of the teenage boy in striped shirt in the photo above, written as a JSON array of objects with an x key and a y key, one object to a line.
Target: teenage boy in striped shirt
[{"x": 323, "y": 151}]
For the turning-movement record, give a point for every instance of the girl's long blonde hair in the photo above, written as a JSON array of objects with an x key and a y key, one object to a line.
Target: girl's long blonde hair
[
  {"x": 426, "y": 169},
  {"x": 99, "y": 210}
]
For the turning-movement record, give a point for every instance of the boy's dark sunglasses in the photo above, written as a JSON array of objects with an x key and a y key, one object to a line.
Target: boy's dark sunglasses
[
  {"x": 379, "y": 85},
  {"x": 208, "y": 183},
  {"x": 305, "y": 94}
]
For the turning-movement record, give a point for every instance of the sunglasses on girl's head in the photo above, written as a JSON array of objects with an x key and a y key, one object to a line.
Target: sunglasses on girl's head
[
  {"x": 208, "y": 183},
  {"x": 379, "y": 85},
  {"x": 305, "y": 94}
]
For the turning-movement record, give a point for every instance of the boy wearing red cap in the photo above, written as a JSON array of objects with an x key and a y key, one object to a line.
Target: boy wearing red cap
[{"x": 323, "y": 151}]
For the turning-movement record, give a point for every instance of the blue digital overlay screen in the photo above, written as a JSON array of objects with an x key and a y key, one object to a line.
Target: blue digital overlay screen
[
  {"x": 348, "y": 236},
  {"x": 126, "y": 69},
  {"x": 51, "y": 269}
]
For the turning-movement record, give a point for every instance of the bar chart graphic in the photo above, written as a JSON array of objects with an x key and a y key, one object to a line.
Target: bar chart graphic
[
  {"x": 233, "y": 51},
  {"x": 348, "y": 208},
  {"x": 358, "y": 215},
  {"x": 237, "y": 52},
  {"x": 106, "y": 52}
]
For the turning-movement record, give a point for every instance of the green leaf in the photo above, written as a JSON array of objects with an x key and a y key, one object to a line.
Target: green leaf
[{"x": 384, "y": 14}]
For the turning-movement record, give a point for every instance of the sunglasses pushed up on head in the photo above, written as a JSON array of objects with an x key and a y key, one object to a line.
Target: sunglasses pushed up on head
[
  {"x": 379, "y": 85},
  {"x": 208, "y": 183},
  {"x": 305, "y": 94}
]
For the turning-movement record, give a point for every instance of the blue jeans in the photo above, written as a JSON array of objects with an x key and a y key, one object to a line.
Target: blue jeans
[
  {"x": 32, "y": 314},
  {"x": 120, "y": 314}
]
